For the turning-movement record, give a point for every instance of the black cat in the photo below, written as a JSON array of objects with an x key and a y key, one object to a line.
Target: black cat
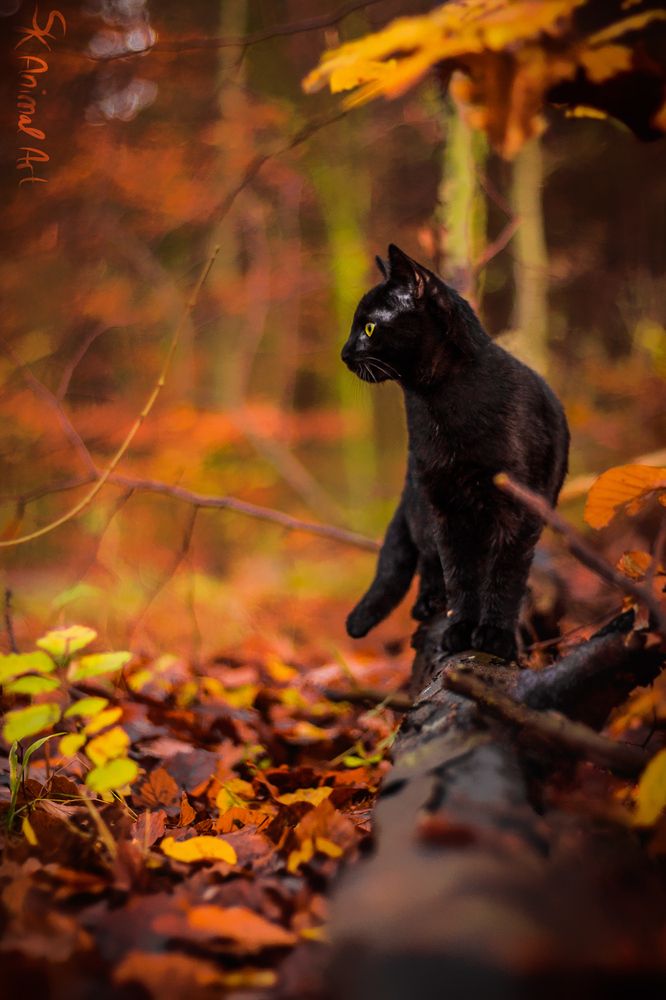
[{"x": 472, "y": 411}]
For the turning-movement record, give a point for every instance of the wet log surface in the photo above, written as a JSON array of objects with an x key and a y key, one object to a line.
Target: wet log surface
[{"x": 474, "y": 889}]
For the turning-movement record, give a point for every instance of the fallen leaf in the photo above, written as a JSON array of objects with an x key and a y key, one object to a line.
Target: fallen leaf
[
  {"x": 651, "y": 791},
  {"x": 202, "y": 848},
  {"x": 237, "y": 923}
]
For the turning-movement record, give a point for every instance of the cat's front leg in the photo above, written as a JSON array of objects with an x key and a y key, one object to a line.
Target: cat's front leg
[
  {"x": 503, "y": 590},
  {"x": 395, "y": 568},
  {"x": 431, "y": 597},
  {"x": 461, "y": 565}
]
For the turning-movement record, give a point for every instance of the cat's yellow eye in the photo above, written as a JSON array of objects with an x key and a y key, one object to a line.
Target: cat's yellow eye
[{"x": 369, "y": 329}]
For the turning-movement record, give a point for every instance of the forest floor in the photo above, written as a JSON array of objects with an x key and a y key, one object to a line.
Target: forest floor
[{"x": 251, "y": 786}]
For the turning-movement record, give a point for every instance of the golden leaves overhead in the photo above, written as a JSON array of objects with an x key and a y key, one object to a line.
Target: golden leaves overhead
[{"x": 511, "y": 52}]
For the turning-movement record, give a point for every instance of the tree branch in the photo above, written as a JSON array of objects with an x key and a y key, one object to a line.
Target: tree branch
[
  {"x": 245, "y": 41},
  {"x": 582, "y": 551},
  {"x": 549, "y": 730}
]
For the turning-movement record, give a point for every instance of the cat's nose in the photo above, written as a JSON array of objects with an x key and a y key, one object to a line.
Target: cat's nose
[{"x": 347, "y": 353}]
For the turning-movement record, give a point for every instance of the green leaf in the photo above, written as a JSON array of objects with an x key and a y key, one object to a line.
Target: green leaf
[
  {"x": 13, "y": 766},
  {"x": 26, "y": 721},
  {"x": 651, "y": 792},
  {"x": 62, "y": 642},
  {"x": 96, "y": 664},
  {"x": 14, "y": 664},
  {"x": 112, "y": 776},
  {"x": 37, "y": 745},
  {"x": 86, "y": 707},
  {"x": 32, "y": 684}
]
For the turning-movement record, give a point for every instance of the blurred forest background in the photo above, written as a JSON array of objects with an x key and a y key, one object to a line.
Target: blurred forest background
[{"x": 157, "y": 157}]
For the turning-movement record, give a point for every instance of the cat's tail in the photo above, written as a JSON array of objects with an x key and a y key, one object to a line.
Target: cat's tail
[{"x": 395, "y": 569}]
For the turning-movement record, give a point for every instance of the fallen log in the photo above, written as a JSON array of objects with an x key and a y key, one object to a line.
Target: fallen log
[{"x": 475, "y": 887}]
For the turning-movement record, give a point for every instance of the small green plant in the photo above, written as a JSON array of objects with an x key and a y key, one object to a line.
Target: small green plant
[
  {"x": 19, "y": 763},
  {"x": 49, "y": 677}
]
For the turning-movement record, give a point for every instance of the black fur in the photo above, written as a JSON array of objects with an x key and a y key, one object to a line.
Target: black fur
[{"x": 472, "y": 411}]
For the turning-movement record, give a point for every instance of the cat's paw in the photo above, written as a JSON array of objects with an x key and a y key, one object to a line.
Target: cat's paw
[
  {"x": 457, "y": 636},
  {"x": 498, "y": 641},
  {"x": 359, "y": 622},
  {"x": 426, "y": 607}
]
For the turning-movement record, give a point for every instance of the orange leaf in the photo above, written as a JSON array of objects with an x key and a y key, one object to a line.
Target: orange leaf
[
  {"x": 616, "y": 488},
  {"x": 240, "y": 924},
  {"x": 159, "y": 789}
]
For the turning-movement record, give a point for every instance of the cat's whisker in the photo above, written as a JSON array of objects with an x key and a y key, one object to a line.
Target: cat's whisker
[{"x": 385, "y": 368}]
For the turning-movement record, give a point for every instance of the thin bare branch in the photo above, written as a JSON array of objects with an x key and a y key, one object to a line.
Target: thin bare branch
[
  {"x": 50, "y": 399},
  {"x": 245, "y": 41},
  {"x": 582, "y": 551},
  {"x": 129, "y": 437}
]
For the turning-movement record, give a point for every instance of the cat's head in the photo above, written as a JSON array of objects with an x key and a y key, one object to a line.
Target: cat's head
[{"x": 401, "y": 327}]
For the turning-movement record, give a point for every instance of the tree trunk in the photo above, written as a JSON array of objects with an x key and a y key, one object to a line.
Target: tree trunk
[{"x": 475, "y": 888}]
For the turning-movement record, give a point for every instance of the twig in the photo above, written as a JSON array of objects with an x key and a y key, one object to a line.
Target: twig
[
  {"x": 581, "y": 550},
  {"x": 243, "y": 42},
  {"x": 550, "y": 730},
  {"x": 369, "y": 696},
  {"x": 9, "y": 624},
  {"x": 129, "y": 437},
  {"x": 497, "y": 245},
  {"x": 213, "y": 502},
  {"x": 44, "y": 393}
]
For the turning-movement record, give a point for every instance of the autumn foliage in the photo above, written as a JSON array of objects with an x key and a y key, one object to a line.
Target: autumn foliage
[{"x": 192, "y": 488}]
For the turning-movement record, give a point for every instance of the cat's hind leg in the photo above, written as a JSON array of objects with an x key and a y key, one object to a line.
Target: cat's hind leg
[{"x": 395, "y": 569}]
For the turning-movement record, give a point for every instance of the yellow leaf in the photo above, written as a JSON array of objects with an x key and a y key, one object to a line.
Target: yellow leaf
[
  {"x": 32, "y": 684},
  {"x": 315, "y": 934},
  {"x": 233, "y": 793},
  {"x": 114, "y": 776},
  {"x": 62, "y": 642},
  {"x": 71, "y": 743},
  {"x": 86, "y": 707},
  {"x": 651, "y": 791},
  {"x": 280, "y": 672},
  {"x": 300, "y": 856},
  {"x": 15, "y": 664},
  {"x": 199, "y": 849},
  {"x": 108, "y": 746},
  {"x": 27, "y": 721},
  {"x": 618, "y": 487},
  {"x": 326, "y": 846},
  {"x": 103, "y": 719},
  {"x": 28, "y": 832},
  {"x": 314, "y": 795},
  {"x": 96, "y": 664}
]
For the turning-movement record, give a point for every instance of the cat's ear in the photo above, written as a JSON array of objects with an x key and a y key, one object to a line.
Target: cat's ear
[
  {"x": 406, "y": 272},
  {"x": 382, "y": 265}
]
